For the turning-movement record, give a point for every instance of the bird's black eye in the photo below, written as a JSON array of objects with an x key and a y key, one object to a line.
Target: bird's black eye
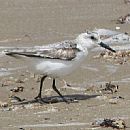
[{"x": 93, "y": 38}]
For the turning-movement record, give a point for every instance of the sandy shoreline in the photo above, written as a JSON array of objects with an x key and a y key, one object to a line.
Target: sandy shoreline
[{"x": 48, "y": 21}]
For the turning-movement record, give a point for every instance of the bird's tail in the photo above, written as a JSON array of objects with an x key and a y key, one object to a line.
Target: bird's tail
[{"x": 3, "y": 50}]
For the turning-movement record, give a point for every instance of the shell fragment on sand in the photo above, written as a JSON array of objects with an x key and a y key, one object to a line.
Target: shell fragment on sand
[{"x": 114, "y": 123}]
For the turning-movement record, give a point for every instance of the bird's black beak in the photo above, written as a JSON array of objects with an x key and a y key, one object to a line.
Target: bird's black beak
[{"x": 106, "y": 46}]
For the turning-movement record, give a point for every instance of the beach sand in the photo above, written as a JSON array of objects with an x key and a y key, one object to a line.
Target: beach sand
[{"x": 30, "y": 22}]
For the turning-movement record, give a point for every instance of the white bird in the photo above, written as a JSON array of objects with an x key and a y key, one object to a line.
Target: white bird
[{"x": 58, "y": 59}]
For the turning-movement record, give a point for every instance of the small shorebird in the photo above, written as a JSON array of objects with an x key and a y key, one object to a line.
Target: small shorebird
[{"x": 58, "y": 59}]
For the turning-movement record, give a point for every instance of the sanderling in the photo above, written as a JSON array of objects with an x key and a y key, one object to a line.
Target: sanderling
[{"x": 58, "y": 59}]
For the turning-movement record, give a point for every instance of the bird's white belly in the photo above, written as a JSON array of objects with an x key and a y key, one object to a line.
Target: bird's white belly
[{"x": 55, "y": 67}]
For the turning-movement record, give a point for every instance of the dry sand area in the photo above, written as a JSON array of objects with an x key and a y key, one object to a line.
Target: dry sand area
[{"x": 39, "y": 22}]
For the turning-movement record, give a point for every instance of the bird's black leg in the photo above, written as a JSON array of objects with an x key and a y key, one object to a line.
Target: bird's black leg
[
  {"x": 40, "y": 91},
  {"x": 55, "y": 89}
]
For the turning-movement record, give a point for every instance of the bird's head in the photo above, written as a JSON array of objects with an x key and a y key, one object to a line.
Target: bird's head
[{"x": 91, "y": 39}]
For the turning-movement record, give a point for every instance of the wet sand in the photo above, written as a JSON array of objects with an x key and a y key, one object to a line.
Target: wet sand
[{"x": 27, "y": 23}]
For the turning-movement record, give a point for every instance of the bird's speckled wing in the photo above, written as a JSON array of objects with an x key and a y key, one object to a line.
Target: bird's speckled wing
[{"x": 65, "y": 50}]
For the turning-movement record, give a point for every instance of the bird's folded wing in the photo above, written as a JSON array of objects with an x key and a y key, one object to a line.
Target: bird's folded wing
[{"x": 60, "y": 51}]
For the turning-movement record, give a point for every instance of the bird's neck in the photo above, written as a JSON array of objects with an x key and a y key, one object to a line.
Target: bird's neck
[{"x": 83, "y": 45}]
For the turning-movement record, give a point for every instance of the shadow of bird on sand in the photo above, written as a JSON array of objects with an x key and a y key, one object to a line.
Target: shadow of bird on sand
[{"x": 75, "y": 98}]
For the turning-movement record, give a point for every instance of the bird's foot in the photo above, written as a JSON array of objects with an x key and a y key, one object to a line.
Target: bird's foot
[
  {"x": 40, "y": 99},
  {"x": 68, "y": 85}
]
